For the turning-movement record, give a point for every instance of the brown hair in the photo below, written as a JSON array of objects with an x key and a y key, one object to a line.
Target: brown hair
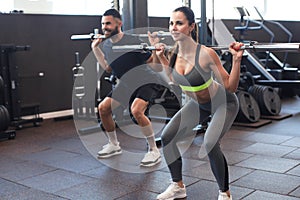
[
  {"x": 189, "y": 14},
  {"x": 112, "y": 12}
]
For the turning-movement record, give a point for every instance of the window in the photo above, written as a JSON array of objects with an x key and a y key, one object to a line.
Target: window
[
  {"x": 270, "y": 10},
  {"x": 68, "y": 7},
  {"x": 162, "y": 8}
]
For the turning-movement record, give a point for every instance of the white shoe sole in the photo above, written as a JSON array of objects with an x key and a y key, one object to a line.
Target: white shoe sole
[
  {"x": 110, "y": 155},
  {"x": 151, "y": 164},
  {"x": 173, "y": 198}
]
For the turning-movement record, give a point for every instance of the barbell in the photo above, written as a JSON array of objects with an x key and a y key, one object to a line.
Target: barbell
[
  {"x": 91, "y": 36},
  {"x": 254, "y": 46}
]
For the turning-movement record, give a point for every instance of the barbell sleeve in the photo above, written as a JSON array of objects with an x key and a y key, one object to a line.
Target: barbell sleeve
[
  {"x": 279, "y": 47},
  {"x": 86, "y": 37}
]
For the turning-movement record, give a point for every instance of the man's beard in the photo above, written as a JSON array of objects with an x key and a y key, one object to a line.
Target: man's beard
[{"x": 114, "y": 32}]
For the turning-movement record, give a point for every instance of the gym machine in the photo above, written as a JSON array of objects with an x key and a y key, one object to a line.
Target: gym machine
[
  {"x": 12, "y": 101},
  {"x": 4, "y": 117},
  {"x": 83, "y": 105},
  {"x": 269, "y": 69}
]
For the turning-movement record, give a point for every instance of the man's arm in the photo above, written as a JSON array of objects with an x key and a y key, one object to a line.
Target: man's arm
[
  {"x": 100, "y": 55},
  {"x": 154, "y": 61}
]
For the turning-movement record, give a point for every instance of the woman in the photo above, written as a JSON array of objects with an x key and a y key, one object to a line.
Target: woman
[{"x": 197, "y": 69}]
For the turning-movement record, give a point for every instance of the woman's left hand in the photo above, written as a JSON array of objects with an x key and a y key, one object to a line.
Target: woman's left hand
[{"x": 236, "y": 50}]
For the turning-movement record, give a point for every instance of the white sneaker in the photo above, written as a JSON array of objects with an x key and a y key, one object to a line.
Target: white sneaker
[
  {"x": 172, "y": 192},
  {"x": 224, "y": 196},
  {"x": 151, "y": 158},
  {"x": 109, "y": 150}
]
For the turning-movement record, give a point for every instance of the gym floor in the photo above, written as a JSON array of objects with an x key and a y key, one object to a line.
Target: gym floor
[{"x": 51, "y": 162}]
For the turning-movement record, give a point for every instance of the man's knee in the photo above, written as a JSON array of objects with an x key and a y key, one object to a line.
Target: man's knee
[
  {"x": 104, "y": 108},
  {"x": 138, "y": 108},
  {"x": 137, "y": 112}
]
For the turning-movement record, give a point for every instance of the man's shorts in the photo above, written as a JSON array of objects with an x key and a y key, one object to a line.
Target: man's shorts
[{"x": 125, "y": 96}]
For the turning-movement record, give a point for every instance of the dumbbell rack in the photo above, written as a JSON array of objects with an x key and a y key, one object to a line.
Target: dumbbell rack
[{"x": 12, "y": 101}]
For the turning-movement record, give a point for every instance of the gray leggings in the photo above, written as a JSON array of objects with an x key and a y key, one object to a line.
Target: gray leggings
[{"x": 223, "y": 108}]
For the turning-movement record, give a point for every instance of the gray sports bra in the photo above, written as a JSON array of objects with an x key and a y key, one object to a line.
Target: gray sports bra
[{"x": 196, "y": 80}]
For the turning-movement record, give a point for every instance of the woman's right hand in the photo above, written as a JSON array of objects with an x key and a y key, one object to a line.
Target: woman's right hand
[{"x": 153, "y": 39}]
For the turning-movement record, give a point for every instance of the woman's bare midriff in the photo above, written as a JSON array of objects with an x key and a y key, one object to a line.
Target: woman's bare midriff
[{"x": 204, "y": 96}]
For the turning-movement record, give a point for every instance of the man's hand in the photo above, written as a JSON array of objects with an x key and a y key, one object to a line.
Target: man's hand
[
  {"x": 153, "y": 38},
  {"x": 95, "y": 42}
]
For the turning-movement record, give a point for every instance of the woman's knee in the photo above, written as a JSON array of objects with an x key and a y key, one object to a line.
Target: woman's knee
[
  {"x": 210, "y": 145},
  {"x": 166, "y": 137}
]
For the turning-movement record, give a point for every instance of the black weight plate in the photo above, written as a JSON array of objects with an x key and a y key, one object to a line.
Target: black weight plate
[
  {"x": 1, "y": 90},
  {"x": 1, "y": 85},
  {"x": 6, "y": 117},
  {"x": 248, "y": 108},
  {"x": 3, "y": 118},
  {"x": 272, "y": 101}
]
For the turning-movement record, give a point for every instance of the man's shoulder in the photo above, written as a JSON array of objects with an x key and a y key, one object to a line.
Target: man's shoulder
[{"x": 106, "y": 44}]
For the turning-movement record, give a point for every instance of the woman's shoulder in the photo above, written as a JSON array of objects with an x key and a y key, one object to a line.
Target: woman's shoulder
[{"x": 206, "y": 50}]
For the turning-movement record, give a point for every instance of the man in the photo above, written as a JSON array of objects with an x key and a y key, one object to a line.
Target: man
[{"x": 123, "y": 65}]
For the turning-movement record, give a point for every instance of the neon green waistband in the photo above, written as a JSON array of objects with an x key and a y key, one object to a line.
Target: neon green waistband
[{"x": 197, "y": 88}]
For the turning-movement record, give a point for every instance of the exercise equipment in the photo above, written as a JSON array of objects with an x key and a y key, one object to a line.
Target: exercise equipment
[
  {"x": 5, "y": 123},
  {"x": 1, "y": 85},
  {"x": 246, "y": 79},
  {"x": 4, "y": 116},
  {"x": 78, "y": 87},
  {"x": 248, "y": 108},
  {"x": 92, "y": 36},
  {"x": 254, "y": 65},
  {"x": 267, "y": 98},
  {"x": 285, "y": 76},
  {"x": 12, "y": 101},
  {"x": 1, "y": 91},
  {"x": 253, "y": 46}
]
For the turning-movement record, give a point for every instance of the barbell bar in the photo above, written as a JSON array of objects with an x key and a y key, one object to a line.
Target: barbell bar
[
  {"x": 255, "y": 46},
  {"x": 91, "y": 36}
]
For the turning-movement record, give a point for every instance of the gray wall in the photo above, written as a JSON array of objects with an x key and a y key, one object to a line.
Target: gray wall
[{"x": 52, "y": 52}]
